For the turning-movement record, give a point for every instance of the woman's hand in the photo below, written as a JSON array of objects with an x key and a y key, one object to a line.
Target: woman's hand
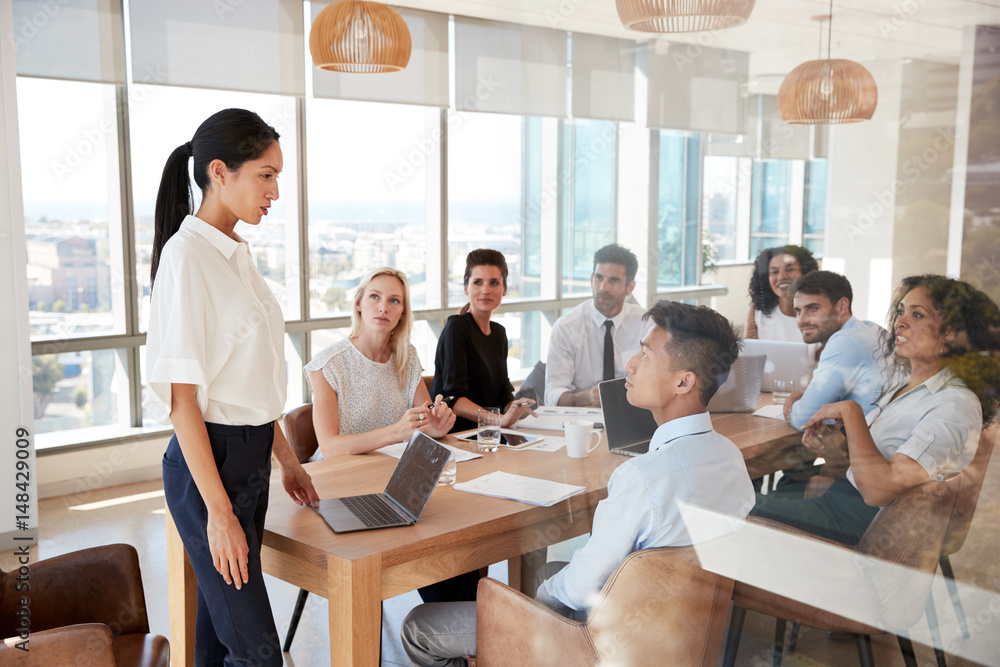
[
  {"x": 515, "y": 411},
  {"x": 298, "y": 484},
  {"x": 228, "y": 545},
  {"x": 439, "y": 419},
  {"x": 414, "y": 419},
  {"x": 836, "y": 411}
]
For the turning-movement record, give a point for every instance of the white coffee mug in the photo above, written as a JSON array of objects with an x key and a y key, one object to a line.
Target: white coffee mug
[{"x": 579, "y": 436}]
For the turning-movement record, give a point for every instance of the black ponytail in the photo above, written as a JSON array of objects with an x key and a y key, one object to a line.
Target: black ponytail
[{"x": 234, "y": 136}]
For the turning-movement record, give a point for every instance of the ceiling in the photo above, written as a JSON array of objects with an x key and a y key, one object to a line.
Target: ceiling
[{"x": 780, "y": 33}]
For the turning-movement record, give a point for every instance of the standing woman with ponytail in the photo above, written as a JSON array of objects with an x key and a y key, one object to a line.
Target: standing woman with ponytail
[{"x": 217, "y": 374}]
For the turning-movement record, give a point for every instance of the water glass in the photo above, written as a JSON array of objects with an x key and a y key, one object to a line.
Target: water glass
[
  {"x": 488, "y": 436},
  {"x": 450, "y": 472}
]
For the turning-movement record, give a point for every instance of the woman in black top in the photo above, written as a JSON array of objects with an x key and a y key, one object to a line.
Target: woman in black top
[
  {"x": 470, "y": 370},
  {"x": 470, "y": 367}
]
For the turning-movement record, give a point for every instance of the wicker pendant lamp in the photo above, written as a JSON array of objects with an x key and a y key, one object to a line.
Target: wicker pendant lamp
[
  {"x": 360, "y": 37},
  {"x": 682, "y": 15},
  {"x": 827, "y": 92}
]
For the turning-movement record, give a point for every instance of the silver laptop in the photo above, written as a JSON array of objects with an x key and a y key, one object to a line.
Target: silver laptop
[
  {"x": 789, "y": 365},
  {"x": 404, "y": 498},
  {"x": 740, "y": 391},
  {"x": 629, "y": 428}
]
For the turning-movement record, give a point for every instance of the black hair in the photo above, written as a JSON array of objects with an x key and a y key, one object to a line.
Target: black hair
[
  {"x": 234, "y": 136},
  {"x": 974, "y": 318},
  {"x": 831, "y": 285},
  {"x": 701, "y": 341},
  {"x": 618, "y": 254},
  {"x": 483, "y": 257},
  {"x": 763, "y": 297}
]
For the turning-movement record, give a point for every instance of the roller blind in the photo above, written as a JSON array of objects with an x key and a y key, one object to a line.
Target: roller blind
[
  {"x": 696, "y": 88},
  {"x": 81, "y": 40},
  {"x": 603, "y": 75},
  {"x": 424, "y": 81},
  {"x": 247, "y": 45},
  {"x": 509, "y": 68}
]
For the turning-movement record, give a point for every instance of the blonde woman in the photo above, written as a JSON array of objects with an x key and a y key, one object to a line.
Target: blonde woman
[{"x": 367, "y": 389}]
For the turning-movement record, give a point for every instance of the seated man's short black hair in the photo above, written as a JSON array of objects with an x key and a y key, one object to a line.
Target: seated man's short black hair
[
  {"x": 831, "y": 285},
  {"x": 701, "y": 341},
  {"x": 617, "y": 254}
]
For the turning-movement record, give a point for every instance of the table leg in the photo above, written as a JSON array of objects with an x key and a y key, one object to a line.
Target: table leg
[
  {"x": 522, "y": 570},
  {"x": 182, "y": 591},
  {"x": 355, "y": 601}
]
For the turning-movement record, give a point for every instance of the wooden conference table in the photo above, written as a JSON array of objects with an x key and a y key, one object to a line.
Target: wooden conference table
[{"x": 458, "y": 532}]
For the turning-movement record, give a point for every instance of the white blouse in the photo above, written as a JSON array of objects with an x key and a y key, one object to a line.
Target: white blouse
[
  {"x": 777, "y": 326},
  {"x": 214, "y": 323},
  {"x": 368, "y": 393}
]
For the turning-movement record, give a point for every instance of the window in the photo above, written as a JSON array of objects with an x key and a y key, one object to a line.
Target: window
[
  {"x": 71, "y": 208},
  {"x": 771, "y": 204},
  {"x": 80, "y": 395},
  {"x": 719, "y": 205},
  {"x": 814, "y": 225},
  {"x": 590, "y": 199},
  {"x": 677, "y": 209},
  {"x": 489, "y": 199},
  {"x": 368, "y": 185}
]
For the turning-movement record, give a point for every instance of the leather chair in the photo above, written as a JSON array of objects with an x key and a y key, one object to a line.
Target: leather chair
[
  {"x": 84, "y": 645},
  {"x": 302, "y": 438},
  {"x": 658, "y": 608},
  {"x": 908, "y": 532},
  {"x": 101, "y": 585}
]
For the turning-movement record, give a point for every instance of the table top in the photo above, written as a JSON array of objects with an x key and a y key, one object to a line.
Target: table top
[{"x": 461, "y": 517}]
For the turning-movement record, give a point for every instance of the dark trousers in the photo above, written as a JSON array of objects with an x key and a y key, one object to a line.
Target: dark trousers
[
  {"x": 233, "y": 627},
  {"x": 840, "y": 514}
]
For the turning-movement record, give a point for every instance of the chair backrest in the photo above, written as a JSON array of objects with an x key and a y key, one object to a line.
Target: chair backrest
[
  {"x": 83, "y": 645},
  {"x": 533, "y": 386},
  {"x": 96, "y": 585},
  {"x": 968, "y": 497},
  {"x": 908, "y": 532},
  {"x": 301, "y": 433},
  {"x": 428, "y": 381},
  {"x": 660, "y": 608}
]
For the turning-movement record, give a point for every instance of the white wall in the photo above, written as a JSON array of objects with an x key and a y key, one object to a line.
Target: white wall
[
  {"x": 735, "y": 304},
  {"x": 77, "y": 473},
  {"x": 16, "y": 404},
  {"x": 860, "y": 196}
]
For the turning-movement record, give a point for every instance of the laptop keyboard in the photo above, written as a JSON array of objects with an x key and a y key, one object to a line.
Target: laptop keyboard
[
  {"x": 373, "y": 512},
  {"x": 635, "y": 449}
]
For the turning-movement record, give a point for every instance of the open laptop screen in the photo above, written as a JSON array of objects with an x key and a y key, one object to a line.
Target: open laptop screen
[
  {"x": 624, "y": 423},
  {"x": 416, "y": 474}
]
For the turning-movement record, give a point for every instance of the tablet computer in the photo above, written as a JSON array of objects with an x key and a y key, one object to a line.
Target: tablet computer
[{"x": 508, "y": 438}]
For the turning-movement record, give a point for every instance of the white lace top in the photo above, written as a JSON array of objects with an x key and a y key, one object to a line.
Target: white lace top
[{"x": 368, "y": 393}]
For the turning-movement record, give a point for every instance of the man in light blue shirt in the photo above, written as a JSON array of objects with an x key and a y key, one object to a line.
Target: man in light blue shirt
[
  {"x": 850, "y": 366},
  {"x": 681, "y": 364}
]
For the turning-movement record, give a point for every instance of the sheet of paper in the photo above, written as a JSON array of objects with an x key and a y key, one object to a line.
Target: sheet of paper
[
  {"x": 395, "y": 450},
  {"x": 517, "y": 487},
  {"x": 548, "y": 445},
  {"x": 551, "y": 417},
  {"x": 771, "y": 411}
]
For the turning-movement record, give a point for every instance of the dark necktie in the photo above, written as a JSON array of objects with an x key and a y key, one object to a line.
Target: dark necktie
[{"x": 609, "y": 351}]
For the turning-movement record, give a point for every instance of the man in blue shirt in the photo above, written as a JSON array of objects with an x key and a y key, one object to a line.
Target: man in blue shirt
[
  {"x": 681, "y": 364},
  {"x": 850, "y": 365}
]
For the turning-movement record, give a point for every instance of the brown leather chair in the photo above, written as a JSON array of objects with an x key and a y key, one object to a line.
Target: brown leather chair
[
  {"x": 84, "y": 645},
  {"x": 908, "y": 532},
  {"x": 301, "y": 436},
  {"x": 658, "y": 608},
  {"x": 100, "y": 585}
]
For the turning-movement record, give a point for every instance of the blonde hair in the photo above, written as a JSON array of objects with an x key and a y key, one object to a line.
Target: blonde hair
[{"x": 400, "y": 336}]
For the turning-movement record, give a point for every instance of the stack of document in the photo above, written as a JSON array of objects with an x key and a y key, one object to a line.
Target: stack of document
[
  {"x": 551, "y": 417},
  {"x": 517, "y": 487}
]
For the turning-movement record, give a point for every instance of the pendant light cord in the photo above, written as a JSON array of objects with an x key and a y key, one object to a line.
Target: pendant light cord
[{"x": 829, "y": 32}]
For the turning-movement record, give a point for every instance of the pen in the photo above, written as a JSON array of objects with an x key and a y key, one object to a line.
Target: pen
[{"x": 447, "y": 401}]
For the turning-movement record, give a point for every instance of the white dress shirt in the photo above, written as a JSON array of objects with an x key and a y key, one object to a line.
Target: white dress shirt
[
  {"x": 937, "y": 424},
  {"x": 214, "y": 323},
  {"x": 687, "y": 461},
  {"x": 576, "y": 347},
  {"x": 850, "y": 368}
]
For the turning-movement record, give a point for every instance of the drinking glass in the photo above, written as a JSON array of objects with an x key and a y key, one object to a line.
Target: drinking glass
[
  {"x": 488, "y": 435},
  {"x": 450, "y": 471}
]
